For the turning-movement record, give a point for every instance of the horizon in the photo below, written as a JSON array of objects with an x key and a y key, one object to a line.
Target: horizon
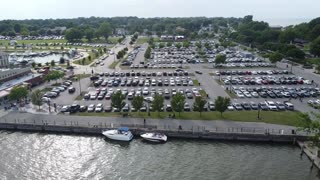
[{"x": 271, "y": 11}]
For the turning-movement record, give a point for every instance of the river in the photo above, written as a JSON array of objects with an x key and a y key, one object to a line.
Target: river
[{"x": 47, "y": 156}]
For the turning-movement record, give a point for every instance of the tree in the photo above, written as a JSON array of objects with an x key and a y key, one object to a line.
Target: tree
[
  {"x": 47, "y": 63},
  {"x": 157, "y": 103},
  {"x": 221, "y": 104},
  {"x": 36, "y": 98},
  {"x": 39, "y": 65},
  {"x": 89, "y": 33},
  {"x": 161, "y": 45},
  {"x": 33, "y": 64},
  {"x": 54, "y": 75},
  {"x": 137, "y": 102},
  {"x": 220, "y": 59},
  {"x": 53, "y": 63},
  {"x": 147, "y": 54},
  {"x": 169, "y": 44},
  {"x": 18, "y": 92},
  {"x": 83, "y": 61},
  {"x": 73, "y": 34},
  {"x": 89, "y": 57},
  {"x": 295, "y": 53},
  {"x": 199, "y": 104},
  {"x": 315, "y": 47},
  {"x": 198, "y": 44},
  {"x": 117, "y": 100},
  {"x": 275, "y": 57},
  {"x": 178, "y": 45},
  {"x": 177, "y": 102},
  {"x": 186, "y": 44},
  {"x": 62, "y": 60},
  {"x": 105, "y": 30}
]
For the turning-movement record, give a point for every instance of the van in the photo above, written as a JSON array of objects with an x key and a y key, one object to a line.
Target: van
[{"x": 289, "y": 106}]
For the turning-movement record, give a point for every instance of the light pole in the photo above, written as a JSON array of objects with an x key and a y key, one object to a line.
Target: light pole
[
  {"x": 230, "y": 82},
  {"x": 258, "y": 112},
  {"x": 80, "y": 85},
  {"x": 148, "y": 108},
  {"x": 49, "y": 102}
]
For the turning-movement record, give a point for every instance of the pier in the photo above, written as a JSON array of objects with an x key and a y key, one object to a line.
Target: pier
[{"x": 193, "y": 129}]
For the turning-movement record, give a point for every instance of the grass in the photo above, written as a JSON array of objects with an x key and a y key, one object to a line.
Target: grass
[
  {"x": 313, "y": 60},
  {"x": 142, "y": 40},
  {"x": 56, "y": 84},
  {"x": 203, "y": 93},
  {"x": 5, "y": 42},
  {"x": 290, "y": 118},
  {"x": 196, "y": 82},
  {"x": 44, "y": 90},
  {"x": 115, "y": 63},
  {"x": 80, "y": 96},
  {"x": 87, "y": 61},
  {"x": 231, "y": 94},
  {"x": 82, "y": 76}
]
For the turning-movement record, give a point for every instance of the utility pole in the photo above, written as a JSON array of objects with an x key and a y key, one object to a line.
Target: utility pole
[{"x": 79, "y": 85}]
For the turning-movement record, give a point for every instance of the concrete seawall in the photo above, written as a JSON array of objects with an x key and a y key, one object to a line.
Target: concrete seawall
[{"x": 187, "y": 134}]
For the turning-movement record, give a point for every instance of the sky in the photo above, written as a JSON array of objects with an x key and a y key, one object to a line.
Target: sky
[{"x": 276, "y": 12}]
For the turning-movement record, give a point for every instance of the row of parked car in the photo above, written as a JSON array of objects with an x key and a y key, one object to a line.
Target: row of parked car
[
  {"x": 245, "y": 65},
  {"x": 127, "y": 108},
  {"x": 315, "y": 103},
  {"x": 105, "y": 93},
  {"x": 266, "y": 80},
  {"x": 276, "y": 92},
  {"x": 55, "y": 92},
  {"x": 247, "y": 72},
  {"x": 265, "y": 105},
  {"x": 177, "y": 72},
  {"x": 136, "y": 81}
]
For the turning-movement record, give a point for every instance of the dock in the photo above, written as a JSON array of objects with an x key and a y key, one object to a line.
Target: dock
[
  {"x": 193, "y": 129},
  {"x": 310, "y": 152}
]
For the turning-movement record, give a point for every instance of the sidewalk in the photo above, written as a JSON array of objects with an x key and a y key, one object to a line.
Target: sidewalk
[{"x": 163, "y": 124}]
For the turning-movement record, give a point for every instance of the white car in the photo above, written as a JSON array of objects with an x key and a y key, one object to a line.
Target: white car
[
  {"x": 230, "y": 108},
  {"x": 240, "y": 94},
  {"x": 91, "y": 108},
  {"x": 272, "y": 106},
  {"x": 99, "y": 108},
  {"x": 145, "y": 91}
]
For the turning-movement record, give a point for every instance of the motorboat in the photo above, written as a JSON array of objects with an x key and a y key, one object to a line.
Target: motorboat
[
  {"x": 154, "y": 137},
  {"x": 120, "y": 134}
]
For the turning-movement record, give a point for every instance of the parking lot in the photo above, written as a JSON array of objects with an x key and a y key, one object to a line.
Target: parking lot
[{"x": 256, "y": 84}]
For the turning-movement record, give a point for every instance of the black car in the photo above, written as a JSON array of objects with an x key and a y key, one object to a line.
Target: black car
[
  {"x": 74, "y": 108},
  {"x": 83, "y": 108},
  {"x": 246, "y": 106},
  {"x": 71, "y": 89},
  {"x": 198, "y": 72}
]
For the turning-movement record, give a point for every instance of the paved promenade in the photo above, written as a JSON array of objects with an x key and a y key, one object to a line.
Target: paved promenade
[{"x": 163, "y": 124}]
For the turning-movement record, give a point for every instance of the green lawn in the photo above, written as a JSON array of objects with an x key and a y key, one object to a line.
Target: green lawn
[
  {"x": 142, "y": 40},
  {"x": 290, "y": 118},
  {"x": 81, "y": 76},
  {"x": 80, "y": 96},
  {"x": 87, "y": 61},
  {"x": 45, "y": 90},
  {"x": 196, "y": 82},
  {"x": 5, "y": 42},
  {"x": 115, "y": 63},
  {"x": 313, "y": 60}
]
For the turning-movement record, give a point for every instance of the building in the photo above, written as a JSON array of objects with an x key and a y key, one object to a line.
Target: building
[
  {"x": 10, "y": 74},
  {"x": 120, "y": 31},
  {"x": 4, "y": 60}
]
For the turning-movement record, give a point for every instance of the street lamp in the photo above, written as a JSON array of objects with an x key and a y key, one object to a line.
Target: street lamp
[
  {"x": 258, "y": 111},
  {"x": 148, "y": 108},
  {"x": 49, "y": 105},
  {"x": 80, "y": 85}
]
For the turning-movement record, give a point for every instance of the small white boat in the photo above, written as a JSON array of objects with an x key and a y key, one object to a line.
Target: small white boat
[
  {"x": 120, "y": 134},
  {"x": 154, "y": 137}
]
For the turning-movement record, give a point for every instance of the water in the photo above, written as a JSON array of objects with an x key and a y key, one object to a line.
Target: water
[
  {"x": 43, "y": 60},
  {"x": 42, "y": 156}
]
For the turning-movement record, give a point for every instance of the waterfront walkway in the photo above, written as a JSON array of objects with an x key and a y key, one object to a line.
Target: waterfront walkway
[{"x": 159, "y": 124}]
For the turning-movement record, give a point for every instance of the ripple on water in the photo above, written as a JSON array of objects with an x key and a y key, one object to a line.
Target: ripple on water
[{"x": 47, "y": 156}]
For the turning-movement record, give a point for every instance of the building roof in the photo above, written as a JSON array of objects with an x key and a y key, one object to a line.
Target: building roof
[{"x": 18, "y": 81}]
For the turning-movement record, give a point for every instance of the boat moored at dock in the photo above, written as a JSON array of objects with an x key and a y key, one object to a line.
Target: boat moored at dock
[
  {"x": 120, "y": 134},
  {"x": 154, "y": 137}
]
